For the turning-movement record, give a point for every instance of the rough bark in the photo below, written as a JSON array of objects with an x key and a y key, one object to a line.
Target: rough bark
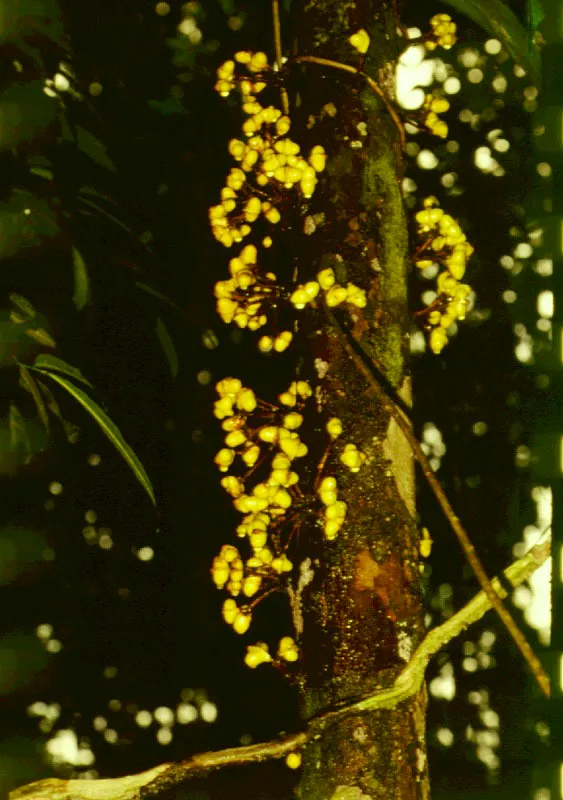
[{"x": 362, "y": 611}]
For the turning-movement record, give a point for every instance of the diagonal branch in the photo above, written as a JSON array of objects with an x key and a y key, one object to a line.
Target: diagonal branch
[
  {"x": 366, "y": 366},
  {"x": 165, "y": 778}
]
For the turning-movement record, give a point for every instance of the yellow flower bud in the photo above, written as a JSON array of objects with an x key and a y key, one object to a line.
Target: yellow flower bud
[
  {"x": 360, "y": 40},
  {"x": 293, "y": 760},
  {"x": 241, "y": 622},
  {"x": 257, "y": 654},
  {"x": 229, "y": 611},
  {"x": 317, "y": 158},
  {"x": 224, "y": 459},
  {"x": 438, "y": 339},
  {"x": 326, "y": 278},
  {"x": 287, "y": 649}
]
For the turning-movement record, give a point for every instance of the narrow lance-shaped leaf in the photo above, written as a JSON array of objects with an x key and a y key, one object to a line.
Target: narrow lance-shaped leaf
[
  {"x": 167, "y": 346},
  {"x": 48, "y": 362},
  {"x": 497, "y": 19},
  {"x": 108, "y": 427},
  {"x": 81, "y": 294},
  {"x": 28, "y": 383}
]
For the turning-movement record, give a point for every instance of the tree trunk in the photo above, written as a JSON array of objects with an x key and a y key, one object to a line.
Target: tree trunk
[{"x": 361, "y": 615}]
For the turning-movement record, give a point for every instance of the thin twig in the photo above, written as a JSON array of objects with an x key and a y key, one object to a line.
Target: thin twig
[
  {"x": 168, "y": 777},
  {"x": 327, "y": 62},
  {"x": 278, "y": 49},
  {"x": 363, "y": 362}
]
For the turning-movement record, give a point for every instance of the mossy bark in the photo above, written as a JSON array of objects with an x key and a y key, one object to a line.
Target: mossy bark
[{"x": 360, "y": 609}]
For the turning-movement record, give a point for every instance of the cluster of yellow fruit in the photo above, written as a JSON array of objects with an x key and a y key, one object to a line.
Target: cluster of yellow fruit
[
  {"x": 268, "y": 153},
  {"x": 334, "y": 294},
  {"x": 269, "y": 161},
  {"x": 443, "y": 32},
  {"x": 240, "y": 298},
  {"x": 451, "y": 248},
  {"x": 433, "y": 106},
  {"x": 259, "y": 653},
  {"x": 335, "y": 510}
]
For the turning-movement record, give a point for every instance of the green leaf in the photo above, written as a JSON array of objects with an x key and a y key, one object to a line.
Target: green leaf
[
  {"x": 71, "y": 430},
  {"x": 497, "y": 19},
  {"x": 81, "y": 294},
  {"x": 93, "y": 148},
  {"x": 23, "y": 304},
  {"x": 42, "y": 336},
  {"x": 48, "y": 362},
  {"x": 150, "y": 290},
  {"x": 20, "y": 442},
  {"x": 27, "y": 382},
  {"x": 167, "y": 346},
  {"x": 108, "y": 427}
]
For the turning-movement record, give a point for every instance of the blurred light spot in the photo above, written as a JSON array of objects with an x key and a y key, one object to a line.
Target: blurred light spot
[
  {"x": 110, "y": 672},
  {"x": 204, "y": 377},
  {"x": 145, "y": 554},
  {"x": 95, "y": 89},
  {"x": 44, "y": 631},
  {"x": 413, "y": 55},
  {"x": 509, "y": 296},
  {"x": 63, "y": 749},
  {"x": 99, "y": 724},
  {"x": 483, "y": 159},
  {"x": 523, "y": 250},
  {"x": 94, "y": 459},
  {"x": 518, "y": 71},
  {"x": 543, "y": 325},
  {"x": 469, "y": 648},
  {"x": 105, "y": 541},
  {"x": 470, "y": 664},
  {"x": 428, "y": 297},
  {"x": 493, "y": 46},
  {"x": 143, "y": 719},
  {"x": 544, "y": 267},
  {"x": 210, "y": 340},
  {"x": 545, "y": 304},
  {"x": 114, "y": 704},
  {"x": 443, "y": 685},
  {"x": 55, "y": 487},
  {"x": 475, "y": 75},
  {"x": 452, "y": 85},
  {"x": 448, "y": 179},
  {"x": 543, "y": 169},
  {"x": 480, "y": 428},
  {"x": 417, "y": 342},
  {"x": 186, "y": 713},
  {"x": 208, "y": 711},
  {"x": 445, "y": 736},
  {"x": 90, "y": 516},
  {"x": 468, "y": 57},
  {"x": 164, "y": 715},
  {"x": 53, "y": 646},
  {"x": 502, "y": 145},
  {"x": 522, "y": 458},
  {"x": 110, "y": 736},
  {"x": 489, "y": 718},
  {"x": 487, "y": 640},
  {"x": 164, "y": 736},
  {"x": 452, "y": 146},
  {"x": 523, "y": 352},
  {"x": 162, "y": 9},
  {"x": 499, "y": 83}
]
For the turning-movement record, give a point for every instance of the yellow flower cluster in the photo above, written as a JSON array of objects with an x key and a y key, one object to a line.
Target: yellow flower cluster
[
  {"x": 240, "y": 298},
  {"x": 449, "y": 243},
  {"x": 443, "y": 32},
  {"x": 360, "y": 40},
  {"x": 433, "y": 106},
  {"x": 259, "y": 653},
  {"x": 269, "y": 164},
  {"x": 335, "y": 510},
  {"x": 352, "y": 458},
  {"x": 269, "y": 154},
  {"x": 334, "y": 294},
  {"x": 265, "y": 507}
]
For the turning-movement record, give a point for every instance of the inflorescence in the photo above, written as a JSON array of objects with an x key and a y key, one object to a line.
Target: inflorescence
[{"x": 449, "y": 247}]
